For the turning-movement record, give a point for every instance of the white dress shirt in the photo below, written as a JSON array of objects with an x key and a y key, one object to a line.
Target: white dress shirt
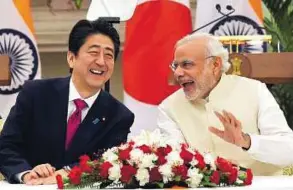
[
  {"x": 274, "y": 144},
  {"x": 73, "y": 94}
]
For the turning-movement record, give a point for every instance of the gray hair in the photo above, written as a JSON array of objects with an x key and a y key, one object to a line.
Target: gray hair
[{"x": 214, "y": 47}]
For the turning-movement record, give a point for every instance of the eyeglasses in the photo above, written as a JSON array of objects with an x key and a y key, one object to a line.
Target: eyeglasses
[{"x": 186, "y": 64}]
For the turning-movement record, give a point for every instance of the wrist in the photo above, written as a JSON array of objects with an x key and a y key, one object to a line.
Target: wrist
[
  {"x": 246, "y": 142},
  {"x": 24, "y": 177}
]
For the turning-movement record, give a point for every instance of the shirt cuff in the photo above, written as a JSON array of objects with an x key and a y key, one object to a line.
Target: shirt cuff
[
  {"x": 67, "y": 169},
  {"x": 19, "y": 176},
  {"x": 254, "y": 144}
]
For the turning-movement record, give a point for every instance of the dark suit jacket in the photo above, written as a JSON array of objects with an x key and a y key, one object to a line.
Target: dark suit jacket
[{"x": 35, "y": 130}]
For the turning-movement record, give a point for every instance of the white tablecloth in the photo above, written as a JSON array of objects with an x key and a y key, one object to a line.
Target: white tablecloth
[{"x": 259, "y": 183}]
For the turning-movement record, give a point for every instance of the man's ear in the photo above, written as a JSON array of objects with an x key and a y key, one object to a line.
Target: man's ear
[
  {"x": 217, "y": 65},
  {"x": 70, "y": 59}
]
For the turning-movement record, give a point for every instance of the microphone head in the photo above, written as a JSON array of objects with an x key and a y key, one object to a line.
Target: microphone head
[
  {"x": 229, "y": 7},
  {"x": 218, "y": 7}
]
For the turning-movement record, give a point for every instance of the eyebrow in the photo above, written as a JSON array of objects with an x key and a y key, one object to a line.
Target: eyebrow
[
  {"x": 183, "y": 61},
  {"x": 98, "y": 46}
]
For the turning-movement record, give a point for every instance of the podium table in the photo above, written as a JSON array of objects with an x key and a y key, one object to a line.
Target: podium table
[
  {"x": 4, "y": 70},
  {"x": 259, "y": 183}
]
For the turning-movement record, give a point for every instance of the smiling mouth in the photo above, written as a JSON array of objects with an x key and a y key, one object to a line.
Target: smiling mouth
[
  {"x": 96, "y": 72},
  {"x": 186, "y": 84}
]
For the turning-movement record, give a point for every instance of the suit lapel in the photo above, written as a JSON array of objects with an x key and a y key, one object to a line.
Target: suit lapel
[
  {"x": 59, "y": 115},
  {"x": 95, "y": 121}
]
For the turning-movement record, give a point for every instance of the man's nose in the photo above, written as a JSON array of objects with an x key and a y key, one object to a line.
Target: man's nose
[
  {"x": 178, "y": 72},
  {"x": 100, "y": 60}
]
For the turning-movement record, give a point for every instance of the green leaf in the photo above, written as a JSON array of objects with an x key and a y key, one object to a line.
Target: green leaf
[
  {"x": 206, "y": 178},
  {"x": 280, "y": 24},
  {"x": 160, "y": 184},
  {"x": 208, "y": 184},
  {"x": 242, "y": 176},
  {"x": 177, "y": 178},
  {"x": 78, "y": 3}
]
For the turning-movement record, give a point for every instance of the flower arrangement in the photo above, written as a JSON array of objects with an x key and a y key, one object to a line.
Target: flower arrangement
[{"x": 150, "y": 160}]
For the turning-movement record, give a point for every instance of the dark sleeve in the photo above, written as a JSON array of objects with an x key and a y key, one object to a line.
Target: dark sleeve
[
  {"x": 12, "y": 159},
  {"x": 120, "y": 131}
]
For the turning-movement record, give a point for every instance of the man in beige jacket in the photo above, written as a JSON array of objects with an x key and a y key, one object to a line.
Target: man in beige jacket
[{"x": 231, "y": 116}]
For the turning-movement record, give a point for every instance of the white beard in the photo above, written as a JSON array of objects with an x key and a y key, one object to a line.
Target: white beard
[{"x": 204, "y": 85}]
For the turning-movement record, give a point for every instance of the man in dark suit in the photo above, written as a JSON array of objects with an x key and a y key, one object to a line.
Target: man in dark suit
[{"x": 55, "y": 121}]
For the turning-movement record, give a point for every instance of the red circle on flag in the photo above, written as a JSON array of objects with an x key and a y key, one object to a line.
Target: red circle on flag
[{"x": 149, "y": 46}]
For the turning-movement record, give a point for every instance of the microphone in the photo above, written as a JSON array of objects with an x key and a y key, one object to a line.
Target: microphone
[
  {"x": 218, "y": 7},
  {"x": 228, "y": 7}
]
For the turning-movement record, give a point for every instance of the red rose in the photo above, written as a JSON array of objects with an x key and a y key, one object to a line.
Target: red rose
[
  {"x": 161, "y": 153},
  {"x": 84, "y": 158},
  {"x": 155, "y": 175},
  {"x": 146, "y": 149},
  {"x": 232, "y": 177},
  {"x": 85, "y": 167},
  {"x": 127, "y": 172},
  {"x": 131, "y": 143},
  {"x": 184, "y": 146},
  {"x": 215, "y": 177},
  {"x": 180, "y": 171},
  {"x": 201, "y": 164},
  {"x": 224, "y": 165},
  {"x": 59, "y": 180},
  {"x": 75, "y": 175},
  {"x": 104, "y": 169},
  {"x": 249, "y": 177},
  {"x": 124, "y": 154},
  {"x": 161, "y": 159},
  {"x": 164, "y": 150},
  {"x": 186, "y": 155}
]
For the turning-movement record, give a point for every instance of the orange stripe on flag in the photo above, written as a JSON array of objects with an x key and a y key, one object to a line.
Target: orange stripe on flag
[
  {"x": 23, "y": 7},
  {"x": 256, "y": 6}
]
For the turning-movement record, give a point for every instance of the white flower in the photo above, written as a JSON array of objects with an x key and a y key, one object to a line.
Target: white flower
[
  {"x": 174, "y": 143},
  {"x": 153, "y": 139},
  {"x": 239, "y": 181},
  {"x": 166, "y": 171},
  {"x": 123, "y": 146},
  {"x": 136, "y": 155},
  {"x": 147, "y": 161},
  {"x": 114, "y": 149},
  {"x": 142, "y": 176},
  {"x": 174, "y": 158},
  {"x": 193, "y": 162},
  {"x": 209, "y": 159},
  {"x": 110, "y": 156},
  {"x": 115, "y": 172},
  {"x": 194, "y": 177}
]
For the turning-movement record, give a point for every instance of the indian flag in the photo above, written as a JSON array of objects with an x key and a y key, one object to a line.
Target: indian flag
[
  {"x": 247, "y": 19},
  {"x": 17, "y": 41}
]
